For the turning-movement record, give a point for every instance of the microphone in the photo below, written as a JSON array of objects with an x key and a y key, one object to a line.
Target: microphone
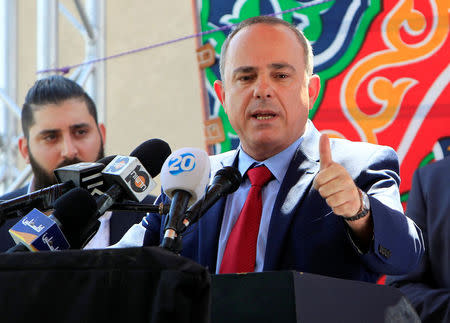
[
  {"x": 93, "y": 182},
  {"x": 226, "y": 181},
  {"x": 42, "y": 199},
  {"x": 153, "y": 152},
  {"x": 78, "y": 175},
  {"x": 184, "y": 177},
  {"x": 58, "y": 231},
  {"x": 133, "y": 176},
  {"x": 75, "y": 222},
  {"x": 161, "y": 208},
  {"x": 127, "y": 176}
]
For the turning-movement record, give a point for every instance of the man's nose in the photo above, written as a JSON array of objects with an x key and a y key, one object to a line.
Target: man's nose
[
  {"x": 69, "y": 149},
  {"x": 263, "y": 88}
]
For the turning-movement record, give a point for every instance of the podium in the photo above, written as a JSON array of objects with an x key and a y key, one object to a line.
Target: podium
[
  {"x": 146, "y": 284},
  {"x": 288, "y": 296},
  {"x": 150, "y": 284}
]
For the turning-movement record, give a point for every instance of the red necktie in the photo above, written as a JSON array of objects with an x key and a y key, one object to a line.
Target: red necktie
[{"x": 240, "y": 252}]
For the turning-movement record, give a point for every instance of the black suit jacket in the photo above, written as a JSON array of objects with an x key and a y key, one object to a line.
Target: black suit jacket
[
  {"x": 6, "y": 241},
  {"x": 428, "y": 287},
  {"x": 119, "y": 223}
]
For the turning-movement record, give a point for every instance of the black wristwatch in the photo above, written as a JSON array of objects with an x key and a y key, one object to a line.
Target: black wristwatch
[{"x": 363, "y": 210}]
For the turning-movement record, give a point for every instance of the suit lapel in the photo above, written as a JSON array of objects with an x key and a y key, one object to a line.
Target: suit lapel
[
  {"x": 211, "y": 222},
  {"x": 115, "y": 223},
  {"x": 209, "y": 232},
  {"x": 294, "y": 188}
]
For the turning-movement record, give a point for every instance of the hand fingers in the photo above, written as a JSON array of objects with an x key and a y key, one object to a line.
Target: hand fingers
[
  {"x": 332, "y": 187},
  {"x": 337, "y": 187},
  {"x": 333, "y": 171},
  {"x": 344, "y": 203},
  {"x": 325, "y": 152}
]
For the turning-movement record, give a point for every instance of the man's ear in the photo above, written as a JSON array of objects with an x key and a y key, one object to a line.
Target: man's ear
[
  {"x": 23, "y": 149},
  {"x": 102, "y": 129},
  {"x": 218, "y": 88},
  {"x": 313, "y": 89}
]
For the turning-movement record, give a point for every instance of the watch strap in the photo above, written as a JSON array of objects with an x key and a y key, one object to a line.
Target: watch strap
[{"x": 363, "y": 210}]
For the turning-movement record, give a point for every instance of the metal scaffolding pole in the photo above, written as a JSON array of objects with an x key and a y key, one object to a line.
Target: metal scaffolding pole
[
  {"x": 96, "y": 84},
  {"x": 91, "y": 76},
  {"x": 47, "y": 35},
  {"x": 9, "y": 112}
]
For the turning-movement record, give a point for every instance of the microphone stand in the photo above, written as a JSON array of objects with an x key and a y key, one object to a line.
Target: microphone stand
[
  {"x": 172, "y": 240},
  {"x": 161, "y": 208}
]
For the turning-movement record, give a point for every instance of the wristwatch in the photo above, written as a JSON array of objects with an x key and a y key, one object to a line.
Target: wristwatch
[{"x": 364, "y": 208}]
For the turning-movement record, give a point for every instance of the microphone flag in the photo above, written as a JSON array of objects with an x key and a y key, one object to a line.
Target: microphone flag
[{"x": 38, "y": 233}]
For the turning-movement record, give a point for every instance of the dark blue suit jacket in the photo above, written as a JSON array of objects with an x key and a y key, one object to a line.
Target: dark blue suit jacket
[
  {"x": 119, "y": 223},
  {"x": 6, "y": 241},
  {"x": 428, "y": 287},
  {"x": 304, "y": 234}
]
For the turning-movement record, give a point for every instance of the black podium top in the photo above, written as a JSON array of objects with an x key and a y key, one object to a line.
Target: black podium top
[
  {"x": 150, "y": 284},
  {"x": 288, "y": 296},
  {"x": 146, "y": 284}
]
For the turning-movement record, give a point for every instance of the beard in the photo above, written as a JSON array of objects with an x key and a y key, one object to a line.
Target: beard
[{"x": 43, "y": 179}]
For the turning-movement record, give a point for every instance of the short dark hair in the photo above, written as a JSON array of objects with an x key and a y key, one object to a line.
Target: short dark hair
[
  {"x": 52, "y": 90},
  {"x": 268, "y": 20}
]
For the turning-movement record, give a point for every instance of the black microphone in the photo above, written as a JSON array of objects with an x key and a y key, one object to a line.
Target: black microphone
[
  {"x": 226, "y": 181},
  {"x": 128, "y": 178},
  {"x": 106, "y": 160},
  {"x": 42, "y": 199},
  {"x": 58, "y": 231},
  {"x": 75, "y": 222},
  {"x": 85, "y": 175},
  {"x": 92, "y": 181},
  {"x": 160, "y": 208}
]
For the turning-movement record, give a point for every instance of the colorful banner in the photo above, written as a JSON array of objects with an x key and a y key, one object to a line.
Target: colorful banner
[{"x": 383, "y": 66}]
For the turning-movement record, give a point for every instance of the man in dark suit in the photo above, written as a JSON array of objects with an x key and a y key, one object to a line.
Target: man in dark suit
[
  {"x": 428, "y": 287},
  {"x": 60, "y": 127},
  {"x": 330, "y": 210}
]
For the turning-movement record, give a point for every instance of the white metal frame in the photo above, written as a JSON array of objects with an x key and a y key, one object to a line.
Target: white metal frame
[{"x": 91, "y": 76}]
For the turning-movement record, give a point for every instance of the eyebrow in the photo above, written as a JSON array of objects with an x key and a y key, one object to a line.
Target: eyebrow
[
  {"x": 244, "y": 69},
  {"x": 80, "y": 125},
  {"x": 251, "y": 69},
  {"x": 279, "y": 66},
  {"x": 46, "y": 132},
  {"x": 72, "y": 127}
]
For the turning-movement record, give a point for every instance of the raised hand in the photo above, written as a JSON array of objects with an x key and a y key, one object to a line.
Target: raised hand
[{"x": 335, "y": 184}]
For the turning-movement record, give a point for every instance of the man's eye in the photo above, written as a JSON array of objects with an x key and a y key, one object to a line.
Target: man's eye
[
  {"x": 49, "y": 138},
  {"x": 245, "y": 78},
  {"x": 282, "y": 75},
  {"x": 81, "y": 132}
]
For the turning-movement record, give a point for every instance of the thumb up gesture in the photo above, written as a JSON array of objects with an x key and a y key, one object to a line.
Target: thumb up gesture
[{"x": 335, "y": 184}]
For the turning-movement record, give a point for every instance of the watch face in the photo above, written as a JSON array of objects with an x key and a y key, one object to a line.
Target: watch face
[
  {"x": 366, "y": 202},
  {"x": 365, "y": 208}
]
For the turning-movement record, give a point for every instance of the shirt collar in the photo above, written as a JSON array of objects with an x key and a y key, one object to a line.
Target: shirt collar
[
  {"x": 277, "y": 164},
  {"x": 31, "y": 185}
]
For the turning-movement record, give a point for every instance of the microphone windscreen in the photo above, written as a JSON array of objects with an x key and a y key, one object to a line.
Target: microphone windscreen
[
  {"x": 106, "y": 160},
  {"x": 232, "y": 176},
  {"x": 152, "y": 154},
  {"x": 187, "y": 169},
  {"x": 74, "y": 210}
]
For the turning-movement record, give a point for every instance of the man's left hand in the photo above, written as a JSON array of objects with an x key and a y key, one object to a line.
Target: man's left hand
[{"x": 335, "y": 184}]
